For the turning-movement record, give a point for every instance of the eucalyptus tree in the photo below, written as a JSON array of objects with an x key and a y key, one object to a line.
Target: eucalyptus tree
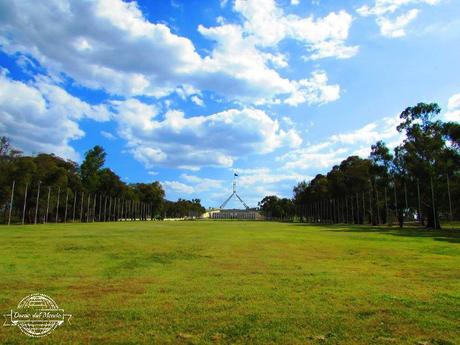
[
  {"x": 91, "y": 167},
  {"x": 430, "y": 152}
]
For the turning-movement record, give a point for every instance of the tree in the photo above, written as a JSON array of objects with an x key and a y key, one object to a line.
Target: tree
[
  {"x": 341, "y": 184},
  {"x": 90, "y": 168},
  {"x": 8, "y": 157},
  {"x": 276, "y": 208},
  {"x": 7, "y": 151},
  {"x": 109, "y": 183},
  {"x": 300, "y": 193},
  {"x": 183, "y": 208},
  {"x": 425, "y": 154},
  {"x": 381, "y": 164},
  {"x": 152, "y": 194},
  {"x": 381, "y": 159}
]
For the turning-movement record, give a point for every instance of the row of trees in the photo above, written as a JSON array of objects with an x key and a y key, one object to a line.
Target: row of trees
[
  {"x": 90, "y": 188},
  {"x": 419, "y": 180},
  {"x": 275, "y": 208}
]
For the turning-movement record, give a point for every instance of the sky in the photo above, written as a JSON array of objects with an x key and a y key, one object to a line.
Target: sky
[{"x": 187, "y": 92}]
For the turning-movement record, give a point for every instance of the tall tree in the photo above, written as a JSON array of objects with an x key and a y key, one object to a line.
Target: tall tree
[
  {"x": 429, "y": 152},
  {"x": 91, "y": 166},
  {"x": 276, "y": 208},
  {"x": 109, "y": 183},
  {"x": 8, "y": 159},
  {"x": 381, "y": 165},
  {"x": 152, "y": 194}
]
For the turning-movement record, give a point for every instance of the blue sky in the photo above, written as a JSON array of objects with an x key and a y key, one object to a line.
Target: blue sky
[{"x": 186, "y": 92}]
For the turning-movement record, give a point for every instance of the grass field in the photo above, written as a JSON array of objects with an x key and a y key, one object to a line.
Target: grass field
[{"x": 235, "y": 283}]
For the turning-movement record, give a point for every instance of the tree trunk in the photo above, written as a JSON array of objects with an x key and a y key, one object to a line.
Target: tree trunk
[{"x": 432, "y": 222}]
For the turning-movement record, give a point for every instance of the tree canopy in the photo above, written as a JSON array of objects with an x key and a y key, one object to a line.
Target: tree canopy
[
  {"x": 91, "y": 178},
  {"x": 427, "y": 160}
]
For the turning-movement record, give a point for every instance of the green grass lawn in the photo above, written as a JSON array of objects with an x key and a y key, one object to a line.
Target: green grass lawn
[{"x": 208, "y": 282}]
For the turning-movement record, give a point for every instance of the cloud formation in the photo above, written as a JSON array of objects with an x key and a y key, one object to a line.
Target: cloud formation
[
  {"x": 194, "y": 142},
  {"x": 41, "y": 117},
  {"x": 393, "y": 16},
  {"x": 110, "y": 45},
  {"x": 453, "y": 109},
  {"x": 324, "y": 37},
  {"x": 101, "y": 44},
  {"x": 338, "y": 146}
]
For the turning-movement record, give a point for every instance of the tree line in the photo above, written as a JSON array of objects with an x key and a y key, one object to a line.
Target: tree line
[
  {"x": 418, "y": 181},
  {"x": 82, "y": 187}
]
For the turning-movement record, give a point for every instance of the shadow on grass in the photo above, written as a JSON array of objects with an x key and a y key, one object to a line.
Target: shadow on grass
[{"x": 452, "y": 236}]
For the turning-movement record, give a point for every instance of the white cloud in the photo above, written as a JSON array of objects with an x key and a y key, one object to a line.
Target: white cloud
[
  {"x": 384, "y": 129},
  {"x": 177, "y": 187},
  {"x": 288, "y": 121},
  {"x": 138, "y": 115},
  {"x": 176, "y": 4},
  {"x": 382, "y": 7},
  {"x": 265, "y": 177},
  {"x": 194, "y": 186},
  {"x": 108, "y": 135},
  {"x": 251, "y": 64},
  {"x": 185, "y": 91},
  {"x": 255, "y": 80},
  {"x": 69, "y": 105},
  {"x": 367, "y": 133},
  {"x": 197, "y": 100},
  {"x": 453, "y": 109},
  {"x": 101, "y": 44},
  {"x": 109, "y": 45},
  {"x": 149, "y": 156},
  {"x": 195, "y": 142},
  {"x": 41, "y": 117},
  {"x": 339, "y": 146},
  {"x": 315, "y": 90},
  {"x": 392, "y": 25},
  {"x": 307, "y": 158},
  {"x": 454, "y": 101},
  {"x": 396, "y": 27},
  {"x": 202, "y": 184},
  {"x": 324, "y": 37}
]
